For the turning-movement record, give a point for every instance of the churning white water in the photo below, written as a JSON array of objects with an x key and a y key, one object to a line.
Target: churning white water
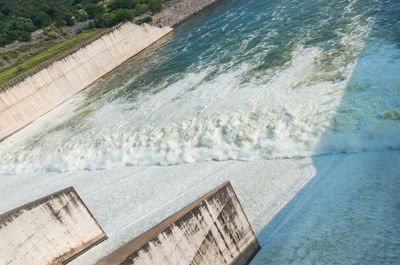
[
  {"x": 240, "y": 97},
  {"x": 255, "y": 81}
]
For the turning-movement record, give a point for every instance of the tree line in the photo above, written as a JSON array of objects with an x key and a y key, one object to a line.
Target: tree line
[{"x": 19, "y": 18}]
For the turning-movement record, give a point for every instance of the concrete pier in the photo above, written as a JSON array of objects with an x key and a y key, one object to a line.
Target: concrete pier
[
  {"x": 51, "y": 230},
  {"x": 211, "y": 230}
]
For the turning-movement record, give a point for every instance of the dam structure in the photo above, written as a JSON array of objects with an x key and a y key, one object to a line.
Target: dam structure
[
  {"x": 23, "y": 101},
  {"x": 211, "y": 230},
  {"x": 296, "y": 103},
  {"x": 50, "y": 230},
  {"x": 28, "y": 100},
  {"x": 58, "y": 228}
]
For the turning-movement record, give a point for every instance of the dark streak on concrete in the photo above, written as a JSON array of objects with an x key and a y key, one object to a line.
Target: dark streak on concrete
[
  {"x": 46, "y": 202},
  {"x": 191, "y": 219},
  {"x": 56, "y": 214},
  {"x": 10, "y": 215}
]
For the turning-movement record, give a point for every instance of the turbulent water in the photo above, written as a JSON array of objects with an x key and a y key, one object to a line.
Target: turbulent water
[{"x": 243, "y": 80}]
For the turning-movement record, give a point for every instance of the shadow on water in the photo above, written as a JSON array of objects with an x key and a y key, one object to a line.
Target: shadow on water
[{"x": 350, "y": 211}]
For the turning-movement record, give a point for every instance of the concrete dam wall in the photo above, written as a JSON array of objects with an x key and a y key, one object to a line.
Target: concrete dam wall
[
  {"x": 211, "y": 230},
  {"x": 28, "y": 100},
  {"x": 50, "y": 230}
]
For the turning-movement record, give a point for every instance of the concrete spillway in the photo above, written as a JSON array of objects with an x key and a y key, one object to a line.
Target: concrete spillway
[
  {"x": 211, "y": 230},
  {"x": 50, "y": 230},
  {"x": 26, "y": 101},
  {"x": 53, "y": 230}
]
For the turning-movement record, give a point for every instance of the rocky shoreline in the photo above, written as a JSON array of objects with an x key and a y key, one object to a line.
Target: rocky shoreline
[{"x": 175, "y": 11}]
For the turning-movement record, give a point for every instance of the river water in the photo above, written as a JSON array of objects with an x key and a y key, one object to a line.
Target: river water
[{"x": 242, "y": 81}]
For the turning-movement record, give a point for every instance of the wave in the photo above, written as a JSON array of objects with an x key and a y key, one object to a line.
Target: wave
[{"x": 233, "y": 103}]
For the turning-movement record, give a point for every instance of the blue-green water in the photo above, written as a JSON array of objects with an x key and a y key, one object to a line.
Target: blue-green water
[{"x": 241, "y": 80}]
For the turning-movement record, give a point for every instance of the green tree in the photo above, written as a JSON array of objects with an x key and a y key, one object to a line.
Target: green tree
[
  {"x": 69, "y": 19},
  {"x": 19, "y": 18},
  {"x": 155, "y": 5},
  {"x": 25, "y": 36},
  {"x": 141, "y": 9},
  {"x": 12, "y": 35},
  {"x": 124, "y": 4},
  {"x": 94, "y": 10},
  {"x": 121, "y": 15},
  {"x": 114, "y": 17},
  {"x": 23, "y": 24},
  {"x": 82, "y": 15},
  {"x": 42, "y": 19}
]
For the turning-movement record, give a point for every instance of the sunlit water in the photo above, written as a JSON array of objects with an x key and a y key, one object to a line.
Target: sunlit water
[{"x": 244, "y": 80}]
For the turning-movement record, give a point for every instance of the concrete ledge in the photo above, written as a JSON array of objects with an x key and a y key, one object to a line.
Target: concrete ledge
[
  {"x": 211, "y": 230},
  {"x": 51, "y": 230}
]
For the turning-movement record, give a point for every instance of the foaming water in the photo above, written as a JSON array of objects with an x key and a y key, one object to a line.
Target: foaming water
[
  {"x": 368, "y": 116},
  {"x": 244, "y": 80}
]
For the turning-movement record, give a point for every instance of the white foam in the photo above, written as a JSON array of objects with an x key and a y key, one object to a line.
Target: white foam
[
  {"x": 196, "y": 120},
  {"x": 223, "y": 112}
]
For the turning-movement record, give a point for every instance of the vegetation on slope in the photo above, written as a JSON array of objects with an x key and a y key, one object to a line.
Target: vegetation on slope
[
  {"x": 41, "y": 29},
  {"x": 54, "y": 49},
  {"x": 19, "y": 18}
]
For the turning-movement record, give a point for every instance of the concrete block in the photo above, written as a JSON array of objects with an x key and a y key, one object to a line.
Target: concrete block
[
  {"x": 212, "y": 230},
  {"x": 51, "y": 230}
]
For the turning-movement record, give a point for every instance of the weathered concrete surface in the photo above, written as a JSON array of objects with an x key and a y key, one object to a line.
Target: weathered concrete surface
[
  {"x": 211, "y": 230},
  {"x": 28, "y": 100},
  {"x": 175, "y": 11},
  {"x": 50, "y": 230}
]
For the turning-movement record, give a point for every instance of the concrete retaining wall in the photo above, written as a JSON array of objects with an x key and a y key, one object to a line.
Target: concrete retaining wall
[
  {"x": 50, "y": 230},
  {"x": 211, "y": 230},
  {"x": 38, "y": 94}
]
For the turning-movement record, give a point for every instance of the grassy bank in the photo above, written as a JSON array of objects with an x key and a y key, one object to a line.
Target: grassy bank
[{"x": 12, "y": 72}]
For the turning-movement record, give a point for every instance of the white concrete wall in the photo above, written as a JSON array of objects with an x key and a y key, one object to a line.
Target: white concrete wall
[
  {"x": 47, "y": 231},
  {"x": 211, "y": 230},
  {"x": 40, "y": 93}
]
